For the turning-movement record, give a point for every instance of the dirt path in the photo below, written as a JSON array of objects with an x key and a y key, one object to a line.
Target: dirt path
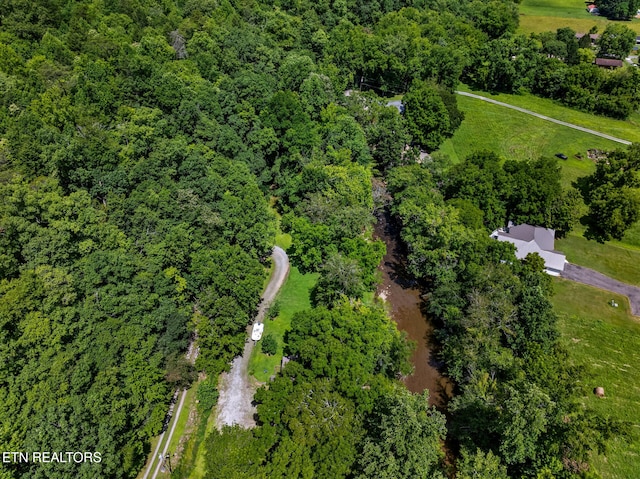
[
  {"x": 235, "y": 387},
  {"x": 543, "y": 117},
  {"x": 588, "y": 276}
]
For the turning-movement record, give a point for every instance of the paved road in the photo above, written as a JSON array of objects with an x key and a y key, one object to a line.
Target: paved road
[
  {"x": 599, "y": 280},
  {"x": 236, "y": 390},
  {"x": 157, "y": 458},
  {"x": 543, "y": 117}
]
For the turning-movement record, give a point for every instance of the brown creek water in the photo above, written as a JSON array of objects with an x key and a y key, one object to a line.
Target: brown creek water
[{"x": 402, "y": 295}]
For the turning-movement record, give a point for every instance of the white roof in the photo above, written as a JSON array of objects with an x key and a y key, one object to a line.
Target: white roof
[
  {"x": 552, "y": 259},
  {"x": 533, "y": 239},
  {"x": 256, "y": 332}
]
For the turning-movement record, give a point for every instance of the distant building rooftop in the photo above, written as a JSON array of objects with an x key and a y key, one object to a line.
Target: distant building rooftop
[
  {"x": 592, "y": 36},
  {"x": 608, "y": 62}
]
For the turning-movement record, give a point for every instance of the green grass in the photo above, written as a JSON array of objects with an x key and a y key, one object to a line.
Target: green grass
[
  {"x": 293, "y": 297},
  {"x": 518, "y": 136},
  {"x": 624, "y": 129},
  {"x": 538, "y": 16},
  {"x": 189, "y": 403},
  {"x": 631, "y": 238},
  {"x": 607, "y": 341},
  {"x": 283, "y": 240},
  {"x": 614, "y": 261}
]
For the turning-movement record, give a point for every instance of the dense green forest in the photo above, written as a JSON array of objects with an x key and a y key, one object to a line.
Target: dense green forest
[{"x": 141, "y": 143}]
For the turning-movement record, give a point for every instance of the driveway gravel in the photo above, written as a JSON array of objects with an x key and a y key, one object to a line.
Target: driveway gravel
[{"x": 235, "y": 403}]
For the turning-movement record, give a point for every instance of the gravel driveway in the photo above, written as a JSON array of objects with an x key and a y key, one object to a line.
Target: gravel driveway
[
  {"x": 235, "y": 387},
  {"x": 588, "y": 276}
]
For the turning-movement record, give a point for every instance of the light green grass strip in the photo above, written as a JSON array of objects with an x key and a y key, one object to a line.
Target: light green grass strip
[
  {"x": 517, "y": 136},
  {"x": 537, "y": 16},
  {"x": 294, "y": 297},
  {"x": 614, "y": 261},
  {"x": 607, "y": 341},
  {"x": 625, "y": 129},
  {"x": 545, "y": 118}
]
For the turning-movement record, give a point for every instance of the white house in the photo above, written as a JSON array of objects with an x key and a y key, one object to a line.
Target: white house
[{"x": 533, "y": 239}]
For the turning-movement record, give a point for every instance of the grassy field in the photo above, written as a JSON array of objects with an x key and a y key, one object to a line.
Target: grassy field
[
  {"x": 538, "y": 16},
  {"x": 294, "y": 297},
  {"x": 607, "y": 341},
  {"x": 631, "y": 238},
  {"x": 515, "y": 135},
  {"x": 519, "y": 136},
  {"x": 624, "y": 129},
  {"x": 614, "y": 261}
]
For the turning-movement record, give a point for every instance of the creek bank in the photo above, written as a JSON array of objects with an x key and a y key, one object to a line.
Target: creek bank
[{"x": 403, "y": 295}]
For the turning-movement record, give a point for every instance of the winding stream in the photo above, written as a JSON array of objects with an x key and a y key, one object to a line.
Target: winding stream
[{"x": 402, "y": 294}]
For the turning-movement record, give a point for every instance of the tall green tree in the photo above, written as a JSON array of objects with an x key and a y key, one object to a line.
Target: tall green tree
[
  {"x": 616, "y": 41},
  {"x": 403, "y": 439},
  {"x": 619, "y": 9},
  {"x": 427, "y": 116},
  {"x": 612, "y": 194}
]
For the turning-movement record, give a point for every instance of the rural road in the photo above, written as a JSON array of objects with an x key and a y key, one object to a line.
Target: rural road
[
  {"x": 235, "y": 388},
  {"x": 543, "y": 117},
  {"x": 179, "y": 397},
  {"x": 588, "y": 276}
]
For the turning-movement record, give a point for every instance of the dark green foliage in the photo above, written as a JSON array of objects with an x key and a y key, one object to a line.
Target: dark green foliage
[
  {"x": 340, "y": 278},
  {"x": 269, "y": 345},
  {"x": 207, "y": 395},
  {"x": 470, "y": 215},
  {"x": 427, "y": 116},
  {"x": 482, "y": 181},
  {"x": 517, "y": 395},
  {"x": 337, "y": 401},
  {"x": 612, "y": 194},
  {"x": 402, "y": 440},
  {"x": 348, "y": 344},
  {"x": 138, "y": 143},
  {"x": 274, "y": 310},
  {"x": 549, "y": 66},
  {"x": 496, "y": 18},
  {"x": 616, "y": 41},
  {"x": 480, "y": 466},
  {"x": 521, "y": 192},
  {"x": 619, "y": 9},
  {"x": 180, "y": 372}
]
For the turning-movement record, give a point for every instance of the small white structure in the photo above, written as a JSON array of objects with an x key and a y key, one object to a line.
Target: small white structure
[
  {"x": 397, "y": 104},
  {"x": 533, "y": 239},
  {"x": 256, "y": 332}
]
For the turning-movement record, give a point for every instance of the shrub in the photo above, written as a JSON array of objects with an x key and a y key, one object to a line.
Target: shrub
[{"x": 269, "y": 345}]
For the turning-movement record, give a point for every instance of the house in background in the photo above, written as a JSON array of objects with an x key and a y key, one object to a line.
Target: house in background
[
  {"x": 608, "y": 63},
  {"x": 593, "y": 37},
  {"x": 533, "y": 239}
]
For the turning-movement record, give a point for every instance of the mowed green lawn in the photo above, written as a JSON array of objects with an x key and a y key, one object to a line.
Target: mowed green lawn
[
  {"x": 538, "y": 16},
  {"x": 293, "y": 297},
  {"x": 606, "y": 341},
  {"x": 624, "y": 129},
  {"x": 621, "y": 263},
  {"x": 518, "y": 136}
]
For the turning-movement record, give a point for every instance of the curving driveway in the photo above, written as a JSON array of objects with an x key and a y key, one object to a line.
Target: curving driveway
[
  {"x": 590, "y": 277},
  {"x": 235, "y": 388},
  {"x": 543, "y": 117}
]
